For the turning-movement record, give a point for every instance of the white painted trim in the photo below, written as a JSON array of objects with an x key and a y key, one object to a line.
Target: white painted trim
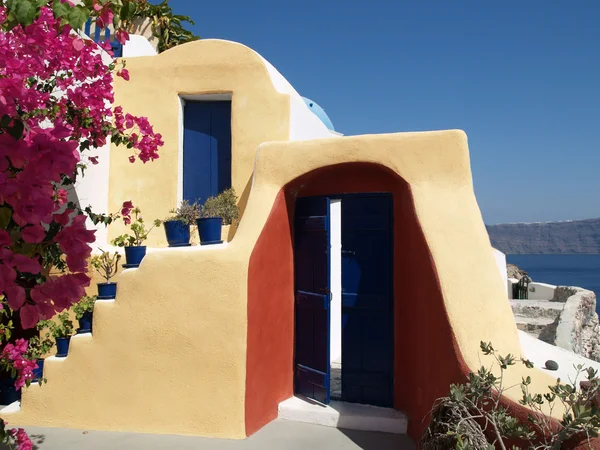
[
  {"x": 180, "y": 152},
  {"x": 335, "y": 264},
  {"x": 222, "y": 97}
]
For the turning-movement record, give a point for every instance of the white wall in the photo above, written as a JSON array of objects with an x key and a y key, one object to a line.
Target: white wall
[
  {"x": 501, "y": 263},
  {"x": 138, "y": 46},
  {"x": 541, "y": 291},
  {"x": 304, "y": 124},
  {"x": 336, "y": 281}
]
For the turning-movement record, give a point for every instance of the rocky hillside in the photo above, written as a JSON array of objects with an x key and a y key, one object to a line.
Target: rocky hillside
[{"x": 574, "y": 236}]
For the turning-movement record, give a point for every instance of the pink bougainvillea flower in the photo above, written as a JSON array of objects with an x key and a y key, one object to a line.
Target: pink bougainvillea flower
[
  {"x": 132, "y": 159},
  {"x": 124, "y": 73},
  {"x": 122, "y": 36},
  {"x": 15, "y": 296},
  {"x": 93, "y": 159},
  {"x": 34, "y": 234},
  {"x": 5, "y": 240},
  {"x": 62, "y": 196},
  {"x": 78, "y": 44}
]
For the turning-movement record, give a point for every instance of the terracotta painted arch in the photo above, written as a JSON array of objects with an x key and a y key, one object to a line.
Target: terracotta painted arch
[
  {"x": 426, "y": 355},
  {"x": 420, "y": 323}
]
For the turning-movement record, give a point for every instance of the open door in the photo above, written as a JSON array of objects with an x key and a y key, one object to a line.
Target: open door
[{"x": 312, "y": 298}]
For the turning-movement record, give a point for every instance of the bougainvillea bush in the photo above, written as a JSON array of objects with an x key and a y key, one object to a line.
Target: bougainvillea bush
[{"x": 56, "y": 110}]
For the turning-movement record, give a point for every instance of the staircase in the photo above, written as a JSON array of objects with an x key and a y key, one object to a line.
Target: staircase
[
  {"x": 537, "y": 318},
  {"x": 167, "y": 356}
]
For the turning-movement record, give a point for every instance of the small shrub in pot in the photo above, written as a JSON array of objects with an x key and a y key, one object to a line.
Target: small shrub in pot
[
  {"x": 61, "y": 330},
  {"x": 177, "y": 226},
  {"x": 216, "y": 212},
  {"x": 107, "y": 265},
  {"x": 84, "y": 310},
  {"x": 134, "y": 250}
]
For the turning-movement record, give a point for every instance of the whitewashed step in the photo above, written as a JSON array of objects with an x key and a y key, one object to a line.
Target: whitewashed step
[
  {"x": 351, "y": 416},
  {"x": 12, "y": 408}
]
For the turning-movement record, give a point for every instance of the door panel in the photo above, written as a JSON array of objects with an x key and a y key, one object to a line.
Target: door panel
[
  {"x": 367, "y": 300},
  {"x": 312, "y": 298},
  {"x": 206, "y": 149}
]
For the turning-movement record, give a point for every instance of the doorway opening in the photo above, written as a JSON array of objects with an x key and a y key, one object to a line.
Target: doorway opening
[{"x": 343, "y": 265}]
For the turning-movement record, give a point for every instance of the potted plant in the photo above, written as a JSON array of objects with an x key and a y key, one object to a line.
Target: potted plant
[
  {"x": 177, "y": 227},
  {"x": 39, "y": 346},
  {"x": 61, "y": 330},
  {"x": 106, "y": 265},
  {"x": 134, "y": 250},
  {"x": 84, "y": 310},
  {"x": 214, "y": 213}
]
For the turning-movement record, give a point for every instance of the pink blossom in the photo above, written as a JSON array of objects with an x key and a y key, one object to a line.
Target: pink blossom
[
  {"x": 34, "y": 234},
  {"x": 62, "y": 196},
  {"x": 5, "y": 240},
  {"x": 122, "y": 36},
  {"x": 78, "y": 44}
]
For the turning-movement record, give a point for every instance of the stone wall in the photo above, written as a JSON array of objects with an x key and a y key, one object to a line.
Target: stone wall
[
  {"x": 578, "y": 329},
  {"x": 568, "y": 320}
]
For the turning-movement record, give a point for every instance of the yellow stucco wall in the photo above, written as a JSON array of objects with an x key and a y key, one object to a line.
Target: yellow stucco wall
[
  {"x": 259, "y": 114},
  {"x": 169, "y": 355}
]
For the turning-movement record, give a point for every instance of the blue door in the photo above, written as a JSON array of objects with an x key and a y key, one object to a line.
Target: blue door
[
  {"x": 206, "y": 149},
  {"x": 367, "y": 300},
  {"x": 312, "y": 298}
]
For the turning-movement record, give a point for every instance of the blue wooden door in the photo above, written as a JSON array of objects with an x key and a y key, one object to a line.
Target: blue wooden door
[
  {"x": 367, "y": 300},
  {"x": 206, "y": 149},
  {"x": 312, "y": 298}
]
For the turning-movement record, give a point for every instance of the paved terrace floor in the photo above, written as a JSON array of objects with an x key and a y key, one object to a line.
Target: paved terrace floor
[{"x": 280, "y": 434}]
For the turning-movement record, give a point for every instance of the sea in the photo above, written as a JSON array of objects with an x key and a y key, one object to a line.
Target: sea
[{"x": 562, "y": 270}]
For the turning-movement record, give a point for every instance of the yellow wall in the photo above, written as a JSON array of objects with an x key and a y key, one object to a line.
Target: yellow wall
[
  {"x": 259, "y": 114},
  {"x": 169, "y": 355}
]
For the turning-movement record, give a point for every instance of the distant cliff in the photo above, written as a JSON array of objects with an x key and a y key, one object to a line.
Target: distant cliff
[{"x": 574, "y": 236}]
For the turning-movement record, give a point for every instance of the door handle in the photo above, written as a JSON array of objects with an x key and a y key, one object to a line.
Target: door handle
[{"x": 348, "y": 252}]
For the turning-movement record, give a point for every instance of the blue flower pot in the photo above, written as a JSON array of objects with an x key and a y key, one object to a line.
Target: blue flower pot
[
  {"x": 8, "y": 393},
  {"x": 107, "y": 291},
  {"x": 178, "y": 233},
  {"x": 210, "y": 230},
  {"x": 62, "y": 346},
  {"x": 85, "y": 323},
  {"x": 134, "y": 256},
  {"x": 38, "y": 372}
]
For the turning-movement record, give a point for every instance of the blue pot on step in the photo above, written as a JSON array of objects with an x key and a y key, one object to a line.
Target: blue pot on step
[
  {"x": 134, "y": 256},
  {"x": 107, "y": 291},
  {"x": 38, "y": 372},
  {"x": 209, "y": 229},
  {"x": 62, "y": 346},
  {"x": 178, "y": 233},
  {"x": 8, "y": 393},
  {"x": 85, "y": 323}
]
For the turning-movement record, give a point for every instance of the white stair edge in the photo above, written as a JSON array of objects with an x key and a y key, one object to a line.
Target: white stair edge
[
  {"x": 12, "y": 408},
  {"x": 351, "y": 416}
]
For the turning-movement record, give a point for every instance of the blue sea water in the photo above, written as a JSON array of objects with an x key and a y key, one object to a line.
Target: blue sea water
[{"x": 563, "y": 270}]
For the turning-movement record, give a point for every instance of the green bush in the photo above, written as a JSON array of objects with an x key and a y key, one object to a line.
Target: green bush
[
  {"x": 471, "y": 416},
  {"x": 61, "y": 328},
  {"x": 223, "y": 205},
  {"x": 186, "y": 212},
  {"x": 86, "y": 304}
]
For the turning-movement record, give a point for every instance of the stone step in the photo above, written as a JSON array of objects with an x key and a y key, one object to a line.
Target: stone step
[
  {"x": 537, "y": 308},
  {"x": 351, "y": 416},
  {"x": 532, "y": 325}
]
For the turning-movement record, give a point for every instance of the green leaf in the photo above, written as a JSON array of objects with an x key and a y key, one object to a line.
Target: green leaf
[
  {"x": 5, "y": 215},
  {"x": 17, "y": 129},
  {"x": 78, "y": 16},
  {"x": 25, "y": 11},
  {"x": 61, "y": 10}
]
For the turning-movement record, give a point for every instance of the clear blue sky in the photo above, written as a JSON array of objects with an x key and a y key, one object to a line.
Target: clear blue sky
[{"x": 522, "y": 78}]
